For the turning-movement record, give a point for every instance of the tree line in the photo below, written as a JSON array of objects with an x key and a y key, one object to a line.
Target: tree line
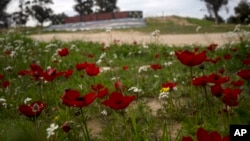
[
  {"x": 41, "y": 11},
  {"x": 242, "y": 11}
]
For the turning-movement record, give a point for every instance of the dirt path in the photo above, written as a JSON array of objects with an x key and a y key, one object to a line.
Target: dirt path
[{"x": 131, "y": 36}]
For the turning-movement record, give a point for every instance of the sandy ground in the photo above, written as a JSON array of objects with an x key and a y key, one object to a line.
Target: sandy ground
[{"x": 131, "y": 36}]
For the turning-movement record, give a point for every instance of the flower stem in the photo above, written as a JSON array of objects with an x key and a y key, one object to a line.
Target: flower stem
[
  {"x": 85, "y": 129},
  {"x": 207, "y": 99},
  {"x": 125, "y": 123}
]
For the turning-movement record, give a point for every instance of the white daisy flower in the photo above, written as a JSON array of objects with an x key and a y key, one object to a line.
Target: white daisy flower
[{"x": 51, "y": 130}]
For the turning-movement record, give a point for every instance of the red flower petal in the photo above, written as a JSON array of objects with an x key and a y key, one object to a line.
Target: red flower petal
[
  {"x": 215, "y": 136},
  {"x": 202, "y": 135},
  {"x": 117, "y": 101},
  {"x": 169, "y": 85},
  {"x": 68, "y": 73},
  {"x": 92, "y": 70},
  {"x": 156, "y": 66},
  {"x": 1, "y": 76},
  {"x": 32, "y": 110},
  {"x": 187, "y": 138},
  {"x": 190, "y": 58},
  {"x": 217, "y": 79},
  {"x": 200, "y": 81},
  {"x": 73, "y": 98},
  {"x": 102, "y": 93},
  {"x": 81, "y": 66},
  {"x": 63, "y": 52},
  {"x": 230, "y": 96},
  {"x": 216, "y": 90},
  {"x": 244, "y": 74}
]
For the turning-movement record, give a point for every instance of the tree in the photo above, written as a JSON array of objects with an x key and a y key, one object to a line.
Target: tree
[
  {"x": 3, "y": 14},
  {"x": 210, "y": 18},
  {"x": 213, "y": 7},
  {"x": 40, "y": 11},
  {"x": 106, "y": 6},
  {"x": 21, "y": 17},
  {"x": 58, "y": 18},
  {"x": 242, "y": 12},
  {"x": 84, "y": 7}
]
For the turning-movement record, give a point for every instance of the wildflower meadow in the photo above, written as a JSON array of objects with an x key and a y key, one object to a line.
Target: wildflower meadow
[{"x": 86, "y": 91}]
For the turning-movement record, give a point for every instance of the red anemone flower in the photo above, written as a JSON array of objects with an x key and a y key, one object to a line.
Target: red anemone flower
[
  {"x": 244, "y": 74},
  {"x": 32, "y": 110},
  {"x": 7, "y": 52},
  {"x": 66, "y": 127},
  {"x": 74, "y": 99},
  {"x": 227, "y": 56},
  {"x": 187, "y": 138},
  {"x": 63, "y": 52},
  {"x": 25, "y": 72},
  {"x": 203, "y": 135},
  {"x": 157, "y": 55},
  {"x": 51, "y": 74},
  {"x": 68, "y": 73},
  {"x": 125, "y": 67},
  {"x": 156, "y": 66},
  {"x": 5, "y": 84},
  {"x": 217, "y": 79},
  {"x": 212, "y": 47},
  {"x": 200, "y": 81},
  {"x": 170, "y": 85},
  {"x": 1, "y": 76},
  {"x": 117, "y": 101},
  {"x": 247, "y": 60},
  {"x": 92, "y": 70},
  {"x": 213, "y": 60},
  {"x": 119, "y": 86},
  {"x": 91, "y": 56},
  {"x": 35, "y": 71},
  {"x": 237, "y": 83},
  {"x": 100, "y": 89},
  {"x": 230, "y": 96},
  {"x": 81, "y": 66},
  {"x": 221, "y": 71},
  {"x": 191, "y": 58},
  {"x": 217, "y": 90},
  {"x": 36, "y": 67}
]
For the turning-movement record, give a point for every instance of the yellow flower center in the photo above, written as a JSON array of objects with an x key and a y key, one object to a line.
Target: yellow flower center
[{"x": 164, "y": 90}]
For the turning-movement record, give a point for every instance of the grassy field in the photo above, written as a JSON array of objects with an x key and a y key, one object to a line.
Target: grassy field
[
  {"x": 64, "y": 91},
  {"x": 182, "y": 25}
]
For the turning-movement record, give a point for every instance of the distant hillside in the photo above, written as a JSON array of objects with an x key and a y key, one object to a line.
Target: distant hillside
[{"x": 186, "y": 25}]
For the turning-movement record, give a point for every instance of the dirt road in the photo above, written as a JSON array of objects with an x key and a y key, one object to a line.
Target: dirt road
[{"x": 131, "y": 36}]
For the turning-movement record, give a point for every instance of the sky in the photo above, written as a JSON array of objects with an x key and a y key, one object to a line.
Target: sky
[{"x": 150, "y": 8}]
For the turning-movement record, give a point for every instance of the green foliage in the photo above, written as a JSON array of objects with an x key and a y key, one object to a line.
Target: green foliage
[
  {"x": 200, "y": 22},
  {"x": 104, "y": 6},
  {"x": 84, "y": 7},
  {"x": 39, "y": 9},
  {"x": 242, "y": 12},
  {"x": 213, "y": 7},
  {"x": 3, "y": 14}
]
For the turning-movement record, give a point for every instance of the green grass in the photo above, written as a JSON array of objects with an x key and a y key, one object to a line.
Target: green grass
[{"x": 185, "y": 108}]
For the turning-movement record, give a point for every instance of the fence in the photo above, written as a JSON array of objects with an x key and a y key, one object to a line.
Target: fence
[{"x": 104, "y": 16}]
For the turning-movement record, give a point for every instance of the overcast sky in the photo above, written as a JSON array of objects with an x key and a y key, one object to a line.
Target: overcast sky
[{"x": 187, "y": 8}]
